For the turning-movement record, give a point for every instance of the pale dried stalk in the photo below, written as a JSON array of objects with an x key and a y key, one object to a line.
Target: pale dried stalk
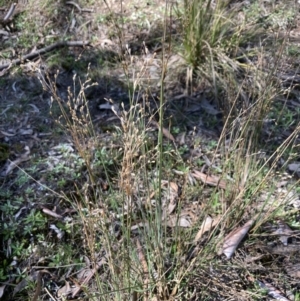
[{"x": 145, "y": 269}]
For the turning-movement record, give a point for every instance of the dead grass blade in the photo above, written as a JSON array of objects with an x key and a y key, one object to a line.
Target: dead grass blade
[{"x": 145, "y": 269}]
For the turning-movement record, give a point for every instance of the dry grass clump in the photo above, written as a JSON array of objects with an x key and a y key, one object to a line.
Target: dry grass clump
[
  {"x": 227, "y": 50},
  {"x": 141, "y": 237},
  {"x": 75, "y": 116}
]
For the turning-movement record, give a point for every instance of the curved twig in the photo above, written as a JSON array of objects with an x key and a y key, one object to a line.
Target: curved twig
[
  {"x": 87, "y": 10},
  {"x": 2, "y": 72},
  {"x": 10, "y": 12},
  {"x": 43, "y": 51},
  {"x": 74, "y": 4}
]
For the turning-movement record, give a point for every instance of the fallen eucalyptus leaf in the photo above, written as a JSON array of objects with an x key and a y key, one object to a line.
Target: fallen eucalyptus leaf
[
  {"x": 26, "y": 131},
  {"x": 210, "y": 180},
  {"x": 294, "y": 167},
  {"x": 21, "y": 285},
  {"x": 2, "y": 288},
  {"x": 19, "y": 212},
  {"x": 35, "y": 108},
  {"x": 88, "y": 277},
  {"x": 13, "y": 164},
  {"x": 207, "y": 225},
  {"x": 181, "y": 221},
  {"x": 8, "y": 134},
  {"x": 233, "y": 239},
  {"x": 65, "y": 290},
  {"x": 208, "y": 108},
  {"x": 58, "y": 232},
  {"x": 51, "y": 213},
  {"x": 165, "y": 131},
  {"x": 284, "y": 232},
  {"x": 272, "y": 291},
  {"x": 293, "y": 270},
  {"x": 169, "y": 198}
]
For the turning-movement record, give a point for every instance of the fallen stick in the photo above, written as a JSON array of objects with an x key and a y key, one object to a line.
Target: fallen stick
[
  {"x": 10, "y": 12},
  {"x": 43, "y": 51}
]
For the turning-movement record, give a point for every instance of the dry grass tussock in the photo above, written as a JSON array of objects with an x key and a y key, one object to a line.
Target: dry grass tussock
[
  {"x": 151, "y": 224},
  {"x": 142, "y": 237}
]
